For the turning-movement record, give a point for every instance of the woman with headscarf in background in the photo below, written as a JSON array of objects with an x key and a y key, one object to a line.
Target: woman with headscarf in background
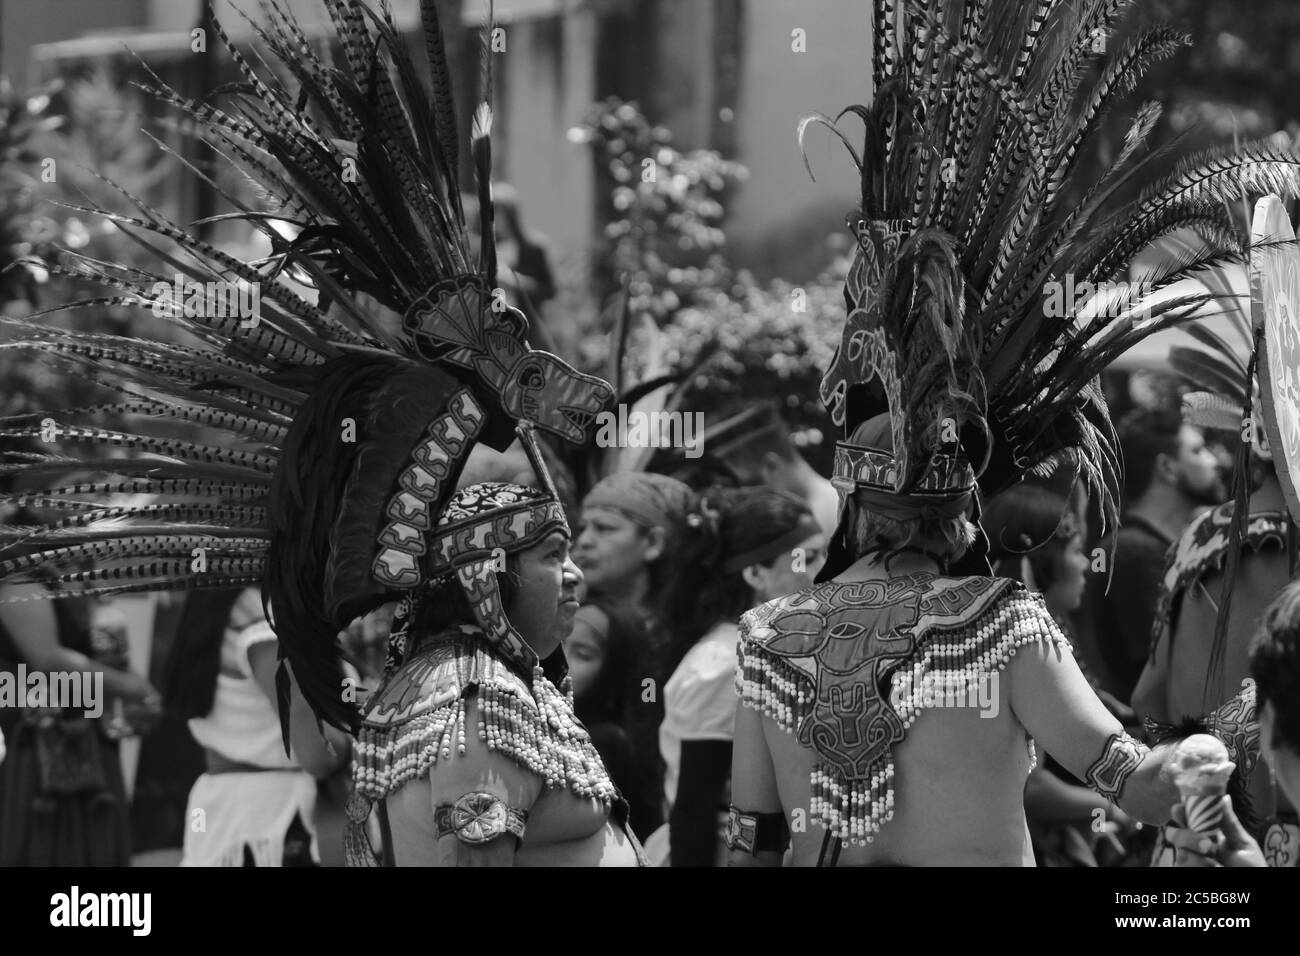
[
  {"x": 628, "y": 550},
  {"x": 745, "y": 546}
]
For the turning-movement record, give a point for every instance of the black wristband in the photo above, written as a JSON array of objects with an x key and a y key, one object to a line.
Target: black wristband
[{"x": 755, "y": 833}]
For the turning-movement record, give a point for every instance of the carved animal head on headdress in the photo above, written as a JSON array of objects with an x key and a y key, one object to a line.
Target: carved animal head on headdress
[{"x": 462, "y": 322}]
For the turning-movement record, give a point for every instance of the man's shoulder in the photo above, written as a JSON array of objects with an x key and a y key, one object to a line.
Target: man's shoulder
[
  {"x": 438, "y": 676},
  {"x": 910, "y": 602}
]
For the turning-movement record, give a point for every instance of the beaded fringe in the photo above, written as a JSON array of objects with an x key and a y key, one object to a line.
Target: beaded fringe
[
  {"x": 773, "y": 688},
  {"x": 855, "y": 810},
  {"x": 540, "y": 734}
]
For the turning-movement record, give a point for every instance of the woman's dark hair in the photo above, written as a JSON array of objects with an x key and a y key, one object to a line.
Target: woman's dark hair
[
  {"x": 619, "y": 679},
  {"x": 699, "y": 595},
  {"x": 1023, "y": 522},
  {"x": 191, "y": 683},
  {"x": 1275, "y": 665}
]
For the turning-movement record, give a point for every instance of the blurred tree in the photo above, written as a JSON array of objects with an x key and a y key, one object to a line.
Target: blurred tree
[
  {"x": 26, "y": 236},
  {"x": 663, "y": 211}
]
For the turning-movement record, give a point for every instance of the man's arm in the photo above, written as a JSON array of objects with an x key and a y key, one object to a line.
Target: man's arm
[
  {"x": 756, "y": 816},
  {"x": 1052, "y": 699},
  {"x": 479, "y": 802}
]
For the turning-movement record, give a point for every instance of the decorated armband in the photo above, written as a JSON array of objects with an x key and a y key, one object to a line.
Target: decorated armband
[
  {"x": 478, "y": 818},
  {"x": 755, "y": 833},
  {"x": 1120, "y": 758}
]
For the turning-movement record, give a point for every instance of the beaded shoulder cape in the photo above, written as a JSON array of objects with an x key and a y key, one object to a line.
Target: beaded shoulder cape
[
  {"x": 1203, "y": 548},
  {"x": 417, "y": 717},
  {"x": 848, "y": 667}
]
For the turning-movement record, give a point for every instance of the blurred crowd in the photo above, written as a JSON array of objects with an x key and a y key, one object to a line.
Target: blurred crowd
[{"x": 667, "y": 568}]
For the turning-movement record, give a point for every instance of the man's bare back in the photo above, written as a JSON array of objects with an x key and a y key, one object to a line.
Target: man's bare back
[{"x": 958, "y": 777}]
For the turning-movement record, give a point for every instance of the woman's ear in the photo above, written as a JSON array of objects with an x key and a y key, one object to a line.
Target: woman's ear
[
  {"x": 1167, "y": 468},
  {"x": 656, "y": 540},
  {"x": 753, "y": 576}
]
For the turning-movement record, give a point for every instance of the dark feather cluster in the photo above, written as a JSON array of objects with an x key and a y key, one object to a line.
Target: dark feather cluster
[{"x": 982, "y": 111}]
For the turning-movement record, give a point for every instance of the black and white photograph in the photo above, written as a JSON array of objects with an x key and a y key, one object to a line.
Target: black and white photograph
[{"x": 651, "y": 433}]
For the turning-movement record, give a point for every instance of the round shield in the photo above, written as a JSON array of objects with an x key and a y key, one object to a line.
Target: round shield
[{"x": 1275, "y": 305}]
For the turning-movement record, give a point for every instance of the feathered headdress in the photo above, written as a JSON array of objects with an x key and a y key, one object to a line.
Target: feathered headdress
[
  {"x": 342, "y": 434},
  {"x": 983, "y": 301}
]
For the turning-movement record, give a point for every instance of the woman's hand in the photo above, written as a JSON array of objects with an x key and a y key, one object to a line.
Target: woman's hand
[
  {"x": 1234, "y": 848},
  {"x": 138, "y": 692}
]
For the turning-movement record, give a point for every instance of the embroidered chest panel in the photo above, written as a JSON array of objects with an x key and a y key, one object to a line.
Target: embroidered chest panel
[{"x": 845, "y": 666}]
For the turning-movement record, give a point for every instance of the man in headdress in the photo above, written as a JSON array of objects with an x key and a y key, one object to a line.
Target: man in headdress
[
  {"x": 889, "y": 712},
  {"x": 1224, "y": 571}
]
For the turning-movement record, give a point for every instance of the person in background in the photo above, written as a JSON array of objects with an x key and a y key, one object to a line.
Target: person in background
[
  {"x": 524, "y": 260},
  {"x": 1036, "y": 537},
  {"x": 749, "y": 545},
  {"x": 62, "y": 797},
  {"x": 525, "y": 253},
  {"x": 1190, "y": 671},
  {"x": 255, "y": 805},
  {"x": 628, "y": 550},
  {"x": 1275, "y": 668},
  {"x": 601, "y": 650},
  {"x": 1169, "y": 472},
  {"x": 765, "y": 454},
  {"x": 631, "y": 524}
]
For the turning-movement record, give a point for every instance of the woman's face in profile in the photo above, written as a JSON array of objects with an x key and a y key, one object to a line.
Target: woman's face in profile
[
  {"x": 1066, "y": 594},
  {"x": 585, "y": 649}
]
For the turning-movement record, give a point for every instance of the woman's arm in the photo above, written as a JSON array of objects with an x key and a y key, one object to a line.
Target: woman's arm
[
  {"x": 462, "y": 786},
  {"x": 319, "y": 748},
  {"x": 693, "y": 823},
  {"x": 1049, "y": 799},
  {"x": 755, "y": 800},
  {"x": 35, "y": 631}
]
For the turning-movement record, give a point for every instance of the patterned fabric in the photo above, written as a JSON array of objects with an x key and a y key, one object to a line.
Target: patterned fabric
[
  {"x": 478, "y": 818},
  {"x": 754, "y": 833},
  {"x": 418, "y": 716},
  {"x": 422, "y": 485},
  {"x": 493, "y": 517},
  {"x": 1119, "y": 758},
  {"x": 1236, "y": 724},
  {"x": 848, "y": 668},
  {"x": 1203, "y": 548},
  {"x": 1281, "y": 844},
  {"x": 859, "y": 466},
  {"x": 478, "y": 527}
]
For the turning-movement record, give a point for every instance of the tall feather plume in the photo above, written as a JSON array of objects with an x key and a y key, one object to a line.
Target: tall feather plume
[
  {"x": 1021, "y": 106},
  {"x": 219, "y": 433}
]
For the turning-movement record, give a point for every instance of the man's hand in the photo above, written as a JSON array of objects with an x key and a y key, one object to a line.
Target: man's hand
[{"x": 1234, "y": 848}]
